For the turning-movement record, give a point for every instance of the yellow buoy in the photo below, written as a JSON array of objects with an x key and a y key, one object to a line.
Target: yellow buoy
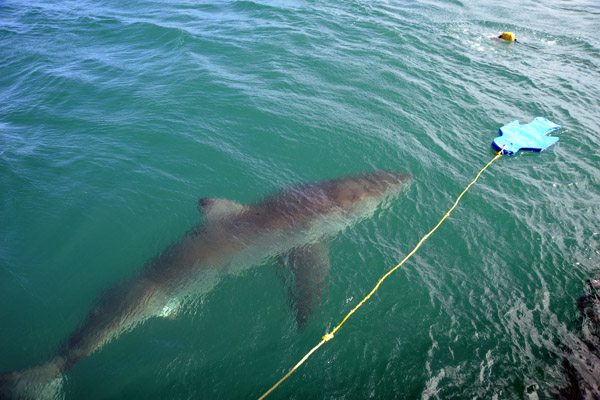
[{"x": 508, "y": 36}]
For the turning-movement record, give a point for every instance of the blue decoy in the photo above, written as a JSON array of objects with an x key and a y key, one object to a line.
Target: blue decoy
[{"x": 532, "y": 136}]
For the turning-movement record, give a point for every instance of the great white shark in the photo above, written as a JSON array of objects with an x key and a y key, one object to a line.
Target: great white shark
[{"x": 288, "y": 225}]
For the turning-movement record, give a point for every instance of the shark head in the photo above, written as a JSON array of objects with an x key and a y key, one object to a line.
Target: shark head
[
  {"x": 330, "y": 204},
  {"x": 361, "y": 193}
]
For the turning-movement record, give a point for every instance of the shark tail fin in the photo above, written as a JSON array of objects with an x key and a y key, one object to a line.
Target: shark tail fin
[{"x": 42, "y": 382}]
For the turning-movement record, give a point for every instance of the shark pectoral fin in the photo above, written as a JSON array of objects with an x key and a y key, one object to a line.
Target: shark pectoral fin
[
  {"x": 216, "y": 209},
  {"x": 309, "y": 266}
]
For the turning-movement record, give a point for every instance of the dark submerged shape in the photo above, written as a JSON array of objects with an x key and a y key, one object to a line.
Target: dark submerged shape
[{"x": 289, "y": 225}]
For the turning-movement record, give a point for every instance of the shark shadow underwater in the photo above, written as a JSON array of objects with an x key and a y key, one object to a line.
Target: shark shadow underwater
[{"x": 288, "y": 225}]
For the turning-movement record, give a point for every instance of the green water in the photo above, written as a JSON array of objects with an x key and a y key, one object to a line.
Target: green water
[{"x": 115, "y": 117}]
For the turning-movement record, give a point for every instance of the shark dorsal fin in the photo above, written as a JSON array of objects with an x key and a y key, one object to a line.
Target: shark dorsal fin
[{"x": 216, "y": 209}]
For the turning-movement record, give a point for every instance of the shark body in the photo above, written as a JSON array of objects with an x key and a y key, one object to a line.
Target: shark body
[{"x": 288, "y": 225}]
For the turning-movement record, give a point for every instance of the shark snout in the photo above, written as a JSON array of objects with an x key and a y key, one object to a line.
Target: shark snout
[
  {"x": 392, "y": 179},
  {"x": 379, "y": 183},
  {"x": 364, "y": 190}
]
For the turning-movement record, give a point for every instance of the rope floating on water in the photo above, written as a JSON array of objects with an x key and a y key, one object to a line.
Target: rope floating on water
[{"x": 327, "y": 337}]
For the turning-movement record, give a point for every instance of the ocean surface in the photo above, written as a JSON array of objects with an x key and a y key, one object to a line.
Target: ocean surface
[{"x": 116, "y": 117}]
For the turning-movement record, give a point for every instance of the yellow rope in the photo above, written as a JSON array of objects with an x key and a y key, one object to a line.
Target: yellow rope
[{"x": 327, "y": 337}]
